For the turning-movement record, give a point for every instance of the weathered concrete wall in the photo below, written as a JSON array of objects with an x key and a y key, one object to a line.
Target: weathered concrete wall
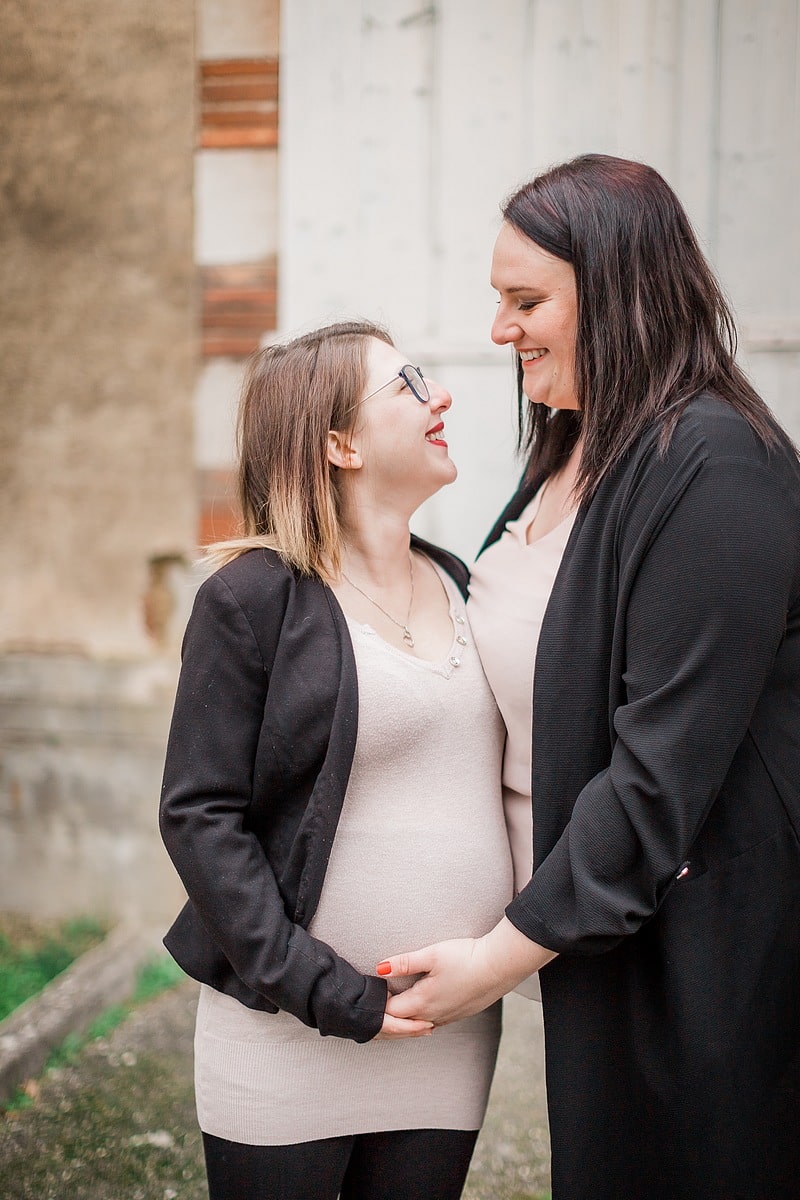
[
  {"x": 97, "y": 315},
  {"x": 98, "y": 341},
  {"x": 81, "y": 754}
]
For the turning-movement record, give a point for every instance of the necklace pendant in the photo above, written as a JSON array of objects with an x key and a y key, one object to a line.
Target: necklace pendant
[{"x": 407, "y": 636}]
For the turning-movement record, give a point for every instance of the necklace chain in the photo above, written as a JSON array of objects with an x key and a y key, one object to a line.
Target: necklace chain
[{"x": 407, "y": 635}]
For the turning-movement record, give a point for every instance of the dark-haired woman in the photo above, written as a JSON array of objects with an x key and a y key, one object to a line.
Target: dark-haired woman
[
  {"x": 648, "y": 572},
  {"x": 332, "y": 784}
]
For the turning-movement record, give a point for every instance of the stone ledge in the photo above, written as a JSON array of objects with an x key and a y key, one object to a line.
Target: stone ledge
[{"x": 105, "y": 975}]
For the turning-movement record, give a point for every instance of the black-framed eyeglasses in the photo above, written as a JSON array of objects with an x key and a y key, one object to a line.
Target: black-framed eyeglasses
[{"x": 413, "y": 378}]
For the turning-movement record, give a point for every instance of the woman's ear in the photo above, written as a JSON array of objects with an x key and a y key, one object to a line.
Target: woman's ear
[{"x": 341, "y": 453}]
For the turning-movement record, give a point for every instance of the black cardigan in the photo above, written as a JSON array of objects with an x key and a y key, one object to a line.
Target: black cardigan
[
  {"x": 258, "y": 759},
  {"x": 666, "y": 812}
]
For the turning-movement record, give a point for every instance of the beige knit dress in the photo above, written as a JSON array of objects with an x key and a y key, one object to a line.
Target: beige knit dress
[{"x": 420, "y": 854}]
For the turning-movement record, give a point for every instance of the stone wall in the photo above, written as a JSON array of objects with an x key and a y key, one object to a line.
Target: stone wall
[
  {"x": 98, "y": 346},
  {"x": 97, "y": 312},
  {"x": 81, "y": 754}
]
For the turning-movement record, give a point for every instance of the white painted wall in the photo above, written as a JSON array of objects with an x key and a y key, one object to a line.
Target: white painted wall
[
  {"x": 236, "y": 29},
  {"x": 236, "y": 198},
  {"x": 216, "y": 399},
  {"x": 404, "y": 124},
  {"x": 399, "y": 135}
]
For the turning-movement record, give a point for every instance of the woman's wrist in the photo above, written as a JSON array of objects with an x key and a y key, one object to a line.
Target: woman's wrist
[{"x": 510, "y": 956}]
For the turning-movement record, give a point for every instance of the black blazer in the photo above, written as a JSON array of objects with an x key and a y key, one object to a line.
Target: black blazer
[
  {"x": 258, "y": 759},
  {"x": 666, "y": 812}
]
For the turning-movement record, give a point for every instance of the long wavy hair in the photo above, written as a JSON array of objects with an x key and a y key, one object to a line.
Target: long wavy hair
[
  {"x": 294, "y": 393},
  {"x": 654, "y": 328}
]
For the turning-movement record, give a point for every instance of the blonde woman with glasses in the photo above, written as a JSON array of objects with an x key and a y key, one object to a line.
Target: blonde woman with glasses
[{"x": 332, "y": 786}]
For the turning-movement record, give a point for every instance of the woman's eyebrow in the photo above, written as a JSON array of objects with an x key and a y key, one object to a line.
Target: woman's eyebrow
[{"x": 523, "y": 287}]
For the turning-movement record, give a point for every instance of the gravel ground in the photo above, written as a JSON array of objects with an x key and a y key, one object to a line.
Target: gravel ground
[{"x": 119, "y": 1123}]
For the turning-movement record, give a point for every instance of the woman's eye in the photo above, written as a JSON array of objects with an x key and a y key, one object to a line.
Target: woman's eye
[{"x": 527, "y": 305}]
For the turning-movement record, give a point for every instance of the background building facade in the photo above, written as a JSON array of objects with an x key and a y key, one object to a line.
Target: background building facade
[{"x": 181, "y": 181}]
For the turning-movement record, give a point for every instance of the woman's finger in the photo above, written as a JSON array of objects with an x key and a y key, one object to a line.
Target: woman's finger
[
  {"x": 411, "y": 1004},
  {"x": 397, "y": 1027},
  {"x": 455, "y": 984},
  {"x": 414, "y": 963}
]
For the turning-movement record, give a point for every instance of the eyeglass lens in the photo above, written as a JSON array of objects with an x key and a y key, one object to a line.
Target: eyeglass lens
[{"x": 414, "y": 378}]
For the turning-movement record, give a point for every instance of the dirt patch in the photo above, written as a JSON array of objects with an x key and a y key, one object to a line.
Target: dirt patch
[
  {"x": 118, "y": 1122},
  {"x": 26, "y": 932}
]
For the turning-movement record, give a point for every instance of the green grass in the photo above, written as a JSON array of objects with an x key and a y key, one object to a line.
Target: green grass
[
  {"x": 156, "y": 975},
  {"x": 31, "y": 961}
]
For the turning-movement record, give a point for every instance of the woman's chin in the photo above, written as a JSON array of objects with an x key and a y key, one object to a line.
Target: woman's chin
[
  {"x": 446, "y": 475},
  {"x": 552, "y": 400},
  {"x": 452, "y": 473}
]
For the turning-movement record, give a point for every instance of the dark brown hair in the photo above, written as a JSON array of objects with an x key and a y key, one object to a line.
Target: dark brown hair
[
  {"x": 654, "y": 328},
  {"x": 294, "y": 393}
]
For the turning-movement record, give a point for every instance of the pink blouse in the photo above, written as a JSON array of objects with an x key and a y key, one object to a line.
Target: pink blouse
[
  {"x": 510, "y": 587},
  {"x": 509, "y": 590}
]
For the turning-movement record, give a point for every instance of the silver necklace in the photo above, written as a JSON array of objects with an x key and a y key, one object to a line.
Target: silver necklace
[{"x": 407, "y": 635}]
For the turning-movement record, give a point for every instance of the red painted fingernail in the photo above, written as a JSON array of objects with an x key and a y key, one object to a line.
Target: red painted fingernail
[{"x": 384, "y": 968}]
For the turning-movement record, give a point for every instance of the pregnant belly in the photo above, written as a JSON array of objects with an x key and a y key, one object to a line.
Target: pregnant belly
[{"x": 406, "y": 886}]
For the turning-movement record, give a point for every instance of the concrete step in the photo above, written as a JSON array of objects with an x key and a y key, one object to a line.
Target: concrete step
[{"x": 105, "y": 975}]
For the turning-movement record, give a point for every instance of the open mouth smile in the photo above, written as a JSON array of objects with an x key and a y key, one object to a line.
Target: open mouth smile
[{"x": 434, "y": 435}]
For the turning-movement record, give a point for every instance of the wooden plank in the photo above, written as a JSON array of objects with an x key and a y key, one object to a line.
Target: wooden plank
[
  {"x": 239, "y": 138},
  {"x": 238, "y": 324},
  {"x": 251, "y": 298},
  {"x": 212, "y": 69},
  {"x": 240, "y": 321},
  {"x": 239, "y": 306},
  {"x": 239, "y": 103},
  {"x": 241, "y": 117},
  {"x": 231, "y": 93}
]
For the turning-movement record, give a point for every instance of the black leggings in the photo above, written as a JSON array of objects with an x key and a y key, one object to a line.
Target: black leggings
[{"x": 426, "y": 1164}]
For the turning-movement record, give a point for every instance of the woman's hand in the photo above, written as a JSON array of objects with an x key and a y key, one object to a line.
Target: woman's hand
[
  {"x": 399, "y": 1027},
  {"x": 463, "y": 976}
]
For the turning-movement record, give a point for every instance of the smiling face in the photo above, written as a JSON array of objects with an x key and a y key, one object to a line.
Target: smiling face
[
  {"x": 538, "y": 315},
  {"x": 399, "y": 449}
]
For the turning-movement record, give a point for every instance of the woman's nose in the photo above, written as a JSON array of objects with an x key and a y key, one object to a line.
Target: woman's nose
[
  {"x": 440, "y": 397},
  {"x": 504, "y": 329}
]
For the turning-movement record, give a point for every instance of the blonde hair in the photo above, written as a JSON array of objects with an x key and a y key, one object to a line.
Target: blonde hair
[{"x": 293, "y": 394}]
